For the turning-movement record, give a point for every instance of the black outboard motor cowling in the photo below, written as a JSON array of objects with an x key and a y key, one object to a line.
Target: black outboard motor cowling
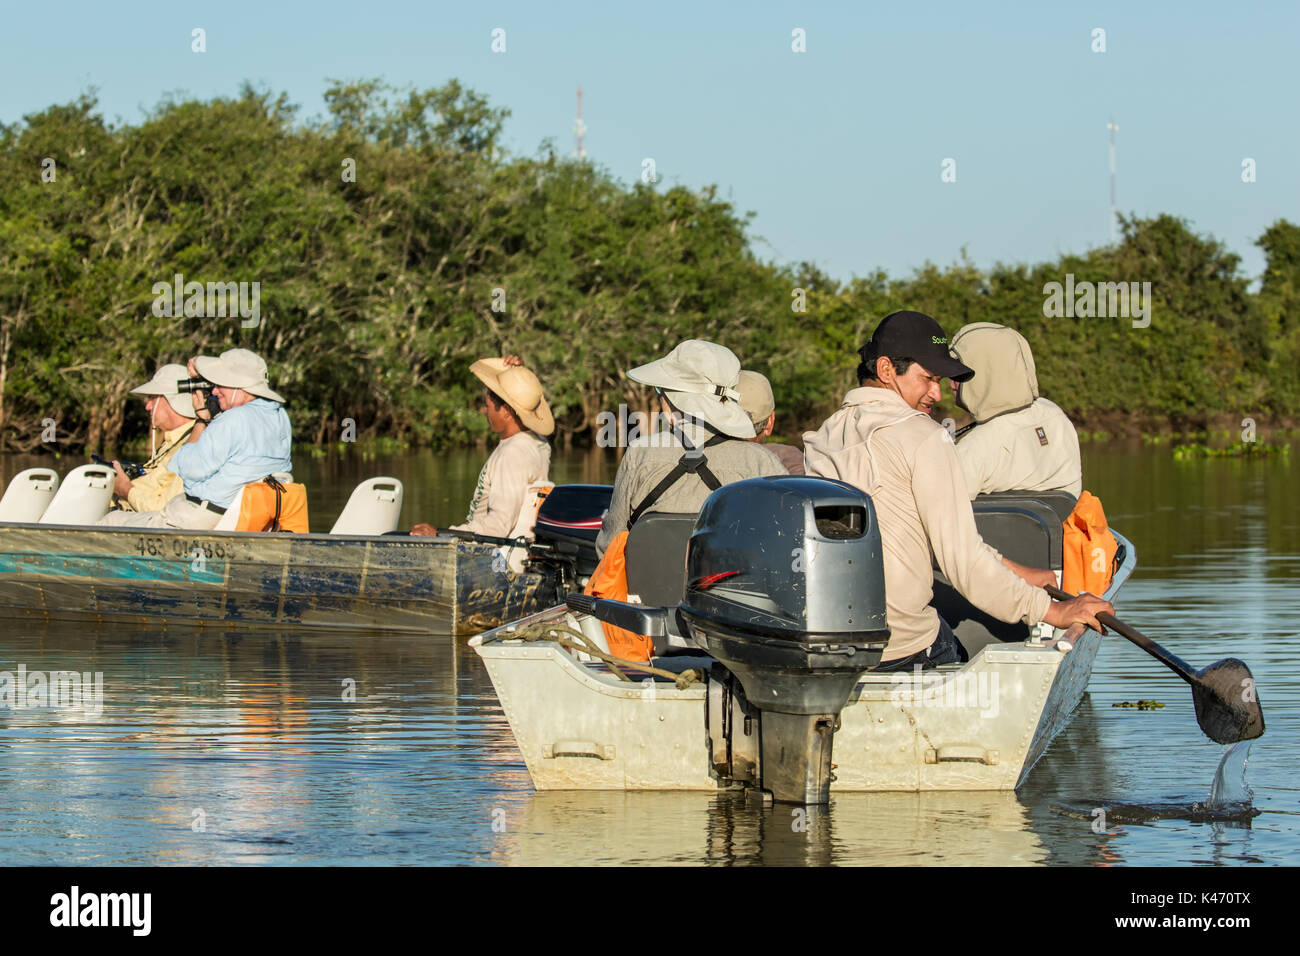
[{"x": 785, "y": 587}]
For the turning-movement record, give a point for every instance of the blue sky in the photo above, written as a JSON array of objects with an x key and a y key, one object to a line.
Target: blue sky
[{"x": 837, "y": 150}]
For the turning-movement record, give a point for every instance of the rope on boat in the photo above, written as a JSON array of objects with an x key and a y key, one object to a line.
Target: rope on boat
[{"x": 564, "y": 635}]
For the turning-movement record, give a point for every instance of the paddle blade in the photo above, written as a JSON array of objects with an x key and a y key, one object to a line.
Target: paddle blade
[{"x": 1227, "y": 702}]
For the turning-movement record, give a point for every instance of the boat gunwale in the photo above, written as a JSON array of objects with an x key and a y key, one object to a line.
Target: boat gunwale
[{"x": 1021, "y": 653}]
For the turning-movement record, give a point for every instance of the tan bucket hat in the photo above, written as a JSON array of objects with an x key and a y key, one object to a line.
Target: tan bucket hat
[
  {"x": 756, "y": 397},
  {"x": 520, "y": 389},
  {"x": 164, "y": 383},
  {"x": 237, "y": 368},
  {"x": 700, "y": 379}
]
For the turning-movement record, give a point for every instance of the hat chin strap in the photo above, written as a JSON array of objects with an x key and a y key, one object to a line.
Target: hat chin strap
[{"x": 680, "y": 419}]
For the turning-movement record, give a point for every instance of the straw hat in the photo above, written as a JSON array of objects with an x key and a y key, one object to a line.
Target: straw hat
[
  {"x": 163, "y": 384},
  {"x": 700, "y": 379},
  {"x": 520, "y": 389},
  {"x": 237, "y": 368}
]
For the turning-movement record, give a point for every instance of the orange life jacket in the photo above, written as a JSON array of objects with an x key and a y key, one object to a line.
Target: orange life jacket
[
  {"x": 1089, "y": 548},
  {"x": 609, "y": 580},
  {"x": 273, "y": 507}
]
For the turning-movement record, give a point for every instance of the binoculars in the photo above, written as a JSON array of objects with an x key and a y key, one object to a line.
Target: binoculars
[{"x": 185, "y": 385}]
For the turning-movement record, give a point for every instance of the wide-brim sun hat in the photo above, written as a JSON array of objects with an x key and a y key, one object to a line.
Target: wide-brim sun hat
[
  {"x": 237, "y": 368},
  {"x": 163, "y": 385},
  {"x": 519, "y": 388},
  {"x": 700, "y": 379}
]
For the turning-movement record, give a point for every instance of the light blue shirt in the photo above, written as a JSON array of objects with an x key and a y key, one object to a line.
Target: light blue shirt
[{"x": 242, "y": 445}]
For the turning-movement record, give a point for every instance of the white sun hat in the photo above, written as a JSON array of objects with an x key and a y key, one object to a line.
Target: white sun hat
[
  {"x": 163, "y": 384},
  {"x": 237, "y": 368},
  {"x": 700, "y": 380}
]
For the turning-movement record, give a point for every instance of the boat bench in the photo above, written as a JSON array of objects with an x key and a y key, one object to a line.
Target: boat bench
[{"x": 1026, "y": 527}]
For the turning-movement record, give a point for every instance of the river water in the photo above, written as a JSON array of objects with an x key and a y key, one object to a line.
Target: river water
[{"x": 242, "y": 748}]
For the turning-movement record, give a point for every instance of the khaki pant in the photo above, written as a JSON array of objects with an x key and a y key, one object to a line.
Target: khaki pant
[{"x": 180, "y": 512}]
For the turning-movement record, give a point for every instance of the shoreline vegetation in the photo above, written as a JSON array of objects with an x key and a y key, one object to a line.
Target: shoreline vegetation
[{"x": 393, "y": 242}]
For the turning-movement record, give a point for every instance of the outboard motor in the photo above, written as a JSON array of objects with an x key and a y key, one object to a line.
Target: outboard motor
[{"x": 785, "y": 586}]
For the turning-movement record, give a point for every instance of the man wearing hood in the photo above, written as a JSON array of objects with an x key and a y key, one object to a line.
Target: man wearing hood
[
  {"x": 884, "y": 441},
  {"x": 698, "y": 388},
  {"x": 1020, "y": 442}
]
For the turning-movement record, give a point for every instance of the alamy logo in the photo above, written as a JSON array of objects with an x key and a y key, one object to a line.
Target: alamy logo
[
  {"x": 947, "y": 690},
  {"x": 1086, "y": 300},
  {"x": 216, "y": 300},
  {"x": 63, "y": 690},
  {"x": 103, "y": 909},
  {"x": 625, "y": 428}
]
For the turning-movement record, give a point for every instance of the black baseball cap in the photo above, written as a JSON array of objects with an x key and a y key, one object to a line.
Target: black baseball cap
[{"x": 916, "y": 336}]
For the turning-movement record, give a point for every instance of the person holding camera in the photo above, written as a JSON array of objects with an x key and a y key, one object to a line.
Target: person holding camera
[
  {"x": 250, "y": 439},
  {"x": 171, "y": 413}
]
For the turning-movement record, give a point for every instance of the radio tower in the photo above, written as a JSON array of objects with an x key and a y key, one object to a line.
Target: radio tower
[
  {"x": 1110, "y": 125},
  {"x": 579, "y": 127}
]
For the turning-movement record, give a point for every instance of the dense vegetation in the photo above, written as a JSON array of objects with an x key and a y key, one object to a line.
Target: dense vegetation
[{"x": 377, "y": 293}]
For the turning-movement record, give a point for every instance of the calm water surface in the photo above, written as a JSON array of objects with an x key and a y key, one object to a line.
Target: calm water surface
[{"x": 240, "y": 748}]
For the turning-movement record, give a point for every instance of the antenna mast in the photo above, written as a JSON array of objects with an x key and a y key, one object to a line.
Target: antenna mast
[
  {"x": 579, "y": 127},
  {"x": 1113, "y": 215}
]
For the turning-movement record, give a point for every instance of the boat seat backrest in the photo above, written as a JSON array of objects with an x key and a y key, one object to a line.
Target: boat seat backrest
[
  {"x": 374, "y": 507},
  {"x": 1024, "y": 529},
  {"x": 656, "y": 557},
  {"x": 1061, "y": 502},
  {"x": 1023, "y": 526},
  {"x": 29, "y": 495},
  {"x": 230, "y": 519},
  {"x": 83, "y": 498}
]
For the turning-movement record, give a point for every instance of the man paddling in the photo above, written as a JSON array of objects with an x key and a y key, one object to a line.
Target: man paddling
[
  {"x": 517, "y": 412},
  {"x": 884, "y": 441}
]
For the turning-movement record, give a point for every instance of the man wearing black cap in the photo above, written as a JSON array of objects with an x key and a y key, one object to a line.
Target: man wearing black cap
[{"x": 884, "y": 441}]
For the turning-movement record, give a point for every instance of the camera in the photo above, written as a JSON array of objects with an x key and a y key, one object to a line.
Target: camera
[{"x": 129, "y": 468}]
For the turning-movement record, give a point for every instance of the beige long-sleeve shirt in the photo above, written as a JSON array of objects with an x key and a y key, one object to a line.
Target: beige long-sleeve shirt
[
  {"x": 907, "y": 463},
  {"x": 514, "y": 464},
  {"x": 1033, "y": 449},
  {"x": 648, "y": 459},
  {"x": 157, "y": 486}
]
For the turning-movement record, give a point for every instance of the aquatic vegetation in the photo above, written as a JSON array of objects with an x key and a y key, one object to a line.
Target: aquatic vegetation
[
  {"x": 1139, "y": 704},
  {"x": 1241, "y": 449}
]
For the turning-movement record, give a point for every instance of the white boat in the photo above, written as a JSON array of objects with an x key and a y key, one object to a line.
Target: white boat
[{"x": 981, "y": 725}]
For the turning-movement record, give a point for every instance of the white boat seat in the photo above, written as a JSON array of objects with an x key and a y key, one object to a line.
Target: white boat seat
[
  {"x": 230, "y": 519},
  {"x": 29, "y": 495},
  {"x": 373, "y": 508},
  {"x": 83, "y": 498}
]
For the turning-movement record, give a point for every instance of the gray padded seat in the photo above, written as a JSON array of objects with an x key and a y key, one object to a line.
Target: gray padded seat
[
  {"x": 656, "y": 557},
  {"x": 1023, "y": 526}
]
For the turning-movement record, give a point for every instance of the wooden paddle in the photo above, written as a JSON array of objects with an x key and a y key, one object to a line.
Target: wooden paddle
[{"x": 1227, "y": 702}]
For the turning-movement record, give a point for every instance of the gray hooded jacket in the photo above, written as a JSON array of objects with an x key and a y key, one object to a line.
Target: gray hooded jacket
[{"x": 1021, "y": 442}]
